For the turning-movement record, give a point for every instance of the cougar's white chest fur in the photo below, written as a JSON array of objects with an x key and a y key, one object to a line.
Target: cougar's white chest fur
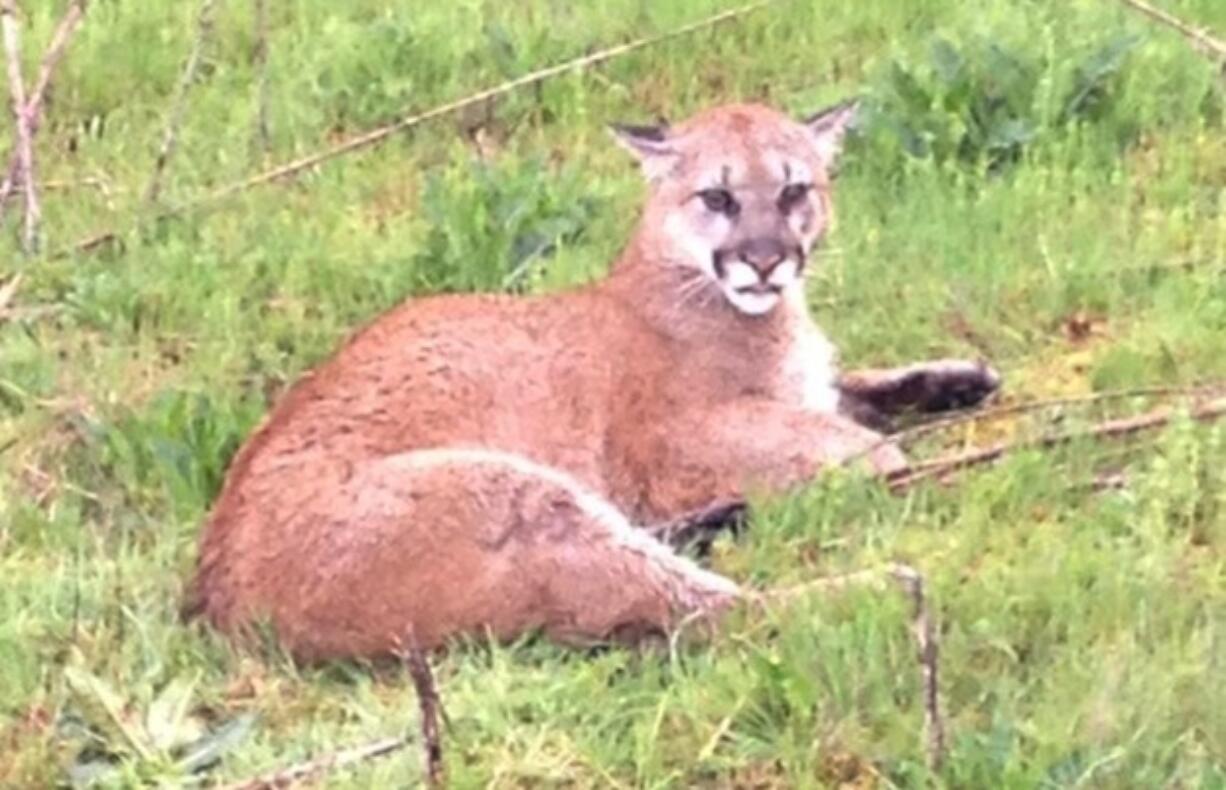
[{"x": 809, "y": 370}]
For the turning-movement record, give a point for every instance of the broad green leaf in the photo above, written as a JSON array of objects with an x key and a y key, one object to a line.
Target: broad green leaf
[
  {"x": 167, "y": 721},
  {"x": 104, "y": 708},
  {"x": 212, "y": 747},
  {"x": 89, "y": 773}
]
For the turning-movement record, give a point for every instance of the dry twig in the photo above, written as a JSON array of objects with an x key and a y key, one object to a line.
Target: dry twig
[
  {"x": 825, "y": 584},
  {"x": 997, "y": 412},
  {"x": 330, "y": 762},
  {"x": 51, "y": 58},
  {"x": 31, "y": 313},
  {"x": 927, "y": 651},
  {"x": 170, "y": 136},
  {"x": 1118, "y": 428},
  {"x": 928, "y": 655},
  {"x": 34, "y": 103},
  {"x": 1200, "y": 39},
  {"x": 700, "y": 527},
  {"x": 8, "y": 291},
  {"x": 541, "y": 75},
  {"x": 102, "y": 185},
  {"x": 1024, "y": 407},
  {"x": 375, "y": 136},
  {"x": 21, "y": 118},
  {"x": 263, "y": 133},
  {"x": 91, "y": 243},
  {"x": 428, "y": 701}
]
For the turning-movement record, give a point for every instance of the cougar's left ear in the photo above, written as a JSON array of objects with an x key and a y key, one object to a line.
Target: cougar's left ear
[
  {"x": 653, "y": 146},
  {"x": 827, "y": 127}
]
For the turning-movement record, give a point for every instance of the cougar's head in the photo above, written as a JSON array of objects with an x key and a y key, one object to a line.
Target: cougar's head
[{"x": 740, "y": 193}]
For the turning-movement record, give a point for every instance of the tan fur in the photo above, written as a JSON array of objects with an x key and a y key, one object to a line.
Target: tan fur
[{"x": 472, "y": 464}]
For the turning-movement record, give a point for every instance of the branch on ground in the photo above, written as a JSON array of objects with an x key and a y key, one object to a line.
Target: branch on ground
[
  {"x": 928, "y": 655},
  {"x": 702, "y": 526},
  {"x": 263, "y": 132},
  {"x": 34, "y": 102},
  {"x": 21, "y": 118},
  {"x": 295, "y": 774},
  {"x": 428, "y": 701},
  {"x": 938, "y": 468},
  {"x": 1024, "y": 407},
  {"x": 927, "y": 651},
  {"x": 1200, "y": 38},
  {"x": 178, "y": 107},
  {"x": 8, "y": 290},
  {"x": 382, "y": 133}
]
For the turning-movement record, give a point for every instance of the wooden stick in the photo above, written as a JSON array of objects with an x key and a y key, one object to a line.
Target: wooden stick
[
  {"x": 204, "y": 27},
  {"x": 31, "y": 313},
  {"x": 428, "y": 701},
  {"x": 997, "y": 412},
  {"x": 540, "y": 75},
  {"x": 927, "y": 650},
  {"x": 91, "y": 243},
  {"x": 263, "y": 133},
  {"x": 1128, "y": 426},
  {"x": 825, "y": 584},
  {"x": 103, "y": 185},
  {"x": 25, "y": 148},
  {"x": 34, "y": 103},
  {"x": 1200, "y": 39},
  {"x": 701, "y": 525},
  {"x": 64, "y": 185},
  {"x": 928, "y": 654},
  {"x": 9, "y": 290},
  {"x": 19, "y": 106},
  {"x": 375, "y": 136},
  {"x": 51, "y": 58},
  {"x": 321, "y": 765}
]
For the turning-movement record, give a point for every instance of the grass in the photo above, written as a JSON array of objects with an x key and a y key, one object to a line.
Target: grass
[{"x": 1027, "y": 169}]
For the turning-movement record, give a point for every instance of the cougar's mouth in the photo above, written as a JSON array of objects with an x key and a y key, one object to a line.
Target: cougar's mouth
[
  {"x": 760, "y": 289},
  {"x": 755, "y": 299}
]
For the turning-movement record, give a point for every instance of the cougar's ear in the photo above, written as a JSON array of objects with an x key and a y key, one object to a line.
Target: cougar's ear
[
  {"x": 827, "y": 127},
  {"x": 653, "y": 146}
]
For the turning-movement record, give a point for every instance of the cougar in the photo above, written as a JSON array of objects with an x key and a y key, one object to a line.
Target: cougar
[{"x": 481, "y": 465}]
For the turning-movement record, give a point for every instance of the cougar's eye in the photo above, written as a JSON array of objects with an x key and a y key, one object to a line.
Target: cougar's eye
[
  {"x": 720, "y": 201},
  {"x": 792, "y": 194}
]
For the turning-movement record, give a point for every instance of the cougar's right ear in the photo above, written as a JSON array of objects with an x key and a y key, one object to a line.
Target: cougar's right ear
[
  {"x": 653, "y": 146},
  {"x": 827, "y": 128}
]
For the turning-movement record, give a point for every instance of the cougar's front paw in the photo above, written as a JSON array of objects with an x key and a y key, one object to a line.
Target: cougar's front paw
[{"x": 950, "y": 384}]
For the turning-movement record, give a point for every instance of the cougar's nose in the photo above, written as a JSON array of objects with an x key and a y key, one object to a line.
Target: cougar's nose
[{"x": 763, "y": 254}]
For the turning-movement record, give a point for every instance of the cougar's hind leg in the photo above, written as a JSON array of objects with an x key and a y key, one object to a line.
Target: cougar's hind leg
[{"x": 452, "y": 542}]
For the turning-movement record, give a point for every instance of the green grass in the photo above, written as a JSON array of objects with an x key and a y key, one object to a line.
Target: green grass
[{"x": 1022, "y": 163}]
